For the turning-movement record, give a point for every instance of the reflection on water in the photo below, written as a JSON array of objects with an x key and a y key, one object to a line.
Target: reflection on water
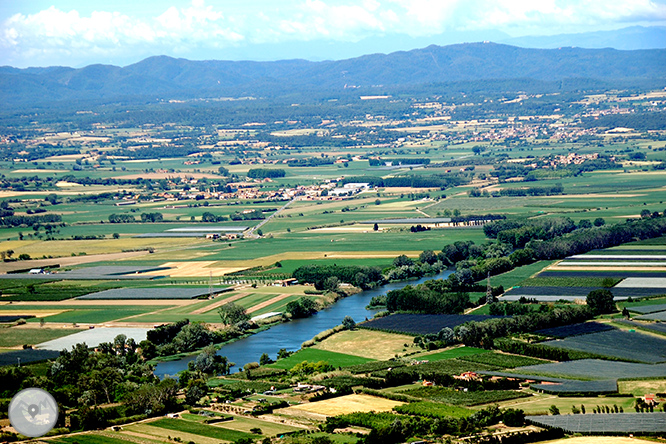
[{"x": 291, "y": 335}]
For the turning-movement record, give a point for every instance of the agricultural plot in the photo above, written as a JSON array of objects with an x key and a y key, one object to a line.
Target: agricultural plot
[
  {"x": 585, "y": 387},
  {"x": 459, "y": 352},
  {"x": 99, "y": 438},
  {"x": 374, "y": 366},
  {"x": 518, "y": 275},
  {"x": 420, "y": 324},
  {"x": 617, "y": 257},
  {"x": 568, "y": 281},
  {"x": 604, "y": 423},
  {"x": 246, "y": 424},
  {"x": 100, "y": 272},
  {"x": 659, "y": 316},
  {"x": 551, "y": 294},
  {"x": 316, "y": 355},
  {"x": 621, "y": 274},
  {"x": 347, "y": 404},
  {"x": 16, "y": 336},
  {"x": 368, "y": 344},
  {"x": 153, "y": 293},
  {"x": 644, "y": 282},
  {"x": 647, "y": 309},
  {"x": 25, "y": 356},
  {"x": 501, "y": 360},
  {"x": 97, "y": 314},
  {"x": 46, "y": 291},
  {"x": 617, "y": 343},
  {"x": 575, "y": 330},
  {"x": 596, "y": 369},
  {"x": 460, "y": 398},
  {"x": 652, "y": 326},
  {"x": 14, "y": 318},
  {"x": 92, "y": 338},
  {"x": 600, "y": 440},
  {"x": 450, "y": 367},
  {"x": 433, "y": 410},
  {"x": 194, "y": 428}
]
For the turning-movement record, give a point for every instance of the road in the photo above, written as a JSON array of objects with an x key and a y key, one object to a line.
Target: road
[{"x": 250, "y": 233}]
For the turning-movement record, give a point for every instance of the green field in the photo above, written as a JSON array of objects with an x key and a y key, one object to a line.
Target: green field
[
  {"x": 518, "y": 275},
  {"x": 100, "y": 438},
  {"x": 460, "y": 398},
  {"x": 433, "y": 410},
  {"x": 245, "y": 424},
  {"x": 193, "y": 428},
  {"x": 12, "y": 337},
  {"x": 316, "y": 355},
  {"x": 568, "y": 281},
  {"x": 453, "y": 353}
]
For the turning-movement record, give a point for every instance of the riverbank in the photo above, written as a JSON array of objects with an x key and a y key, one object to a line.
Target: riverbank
[{"x": 291, "y": 335}]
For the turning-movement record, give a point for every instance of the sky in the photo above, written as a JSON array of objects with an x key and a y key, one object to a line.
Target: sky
[{"x": 81, "y": 32}]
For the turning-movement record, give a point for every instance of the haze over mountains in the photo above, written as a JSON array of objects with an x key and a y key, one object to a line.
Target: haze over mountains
[
  {"x": 630, "y": 38},
  {"x": 166, "y": 77}
]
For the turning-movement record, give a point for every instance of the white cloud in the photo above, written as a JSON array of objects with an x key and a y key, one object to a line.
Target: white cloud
[{"x": 199, "y": 25}]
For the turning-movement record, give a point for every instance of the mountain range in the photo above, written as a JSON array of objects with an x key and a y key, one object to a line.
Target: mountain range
[{"x": 166, "y": 77}]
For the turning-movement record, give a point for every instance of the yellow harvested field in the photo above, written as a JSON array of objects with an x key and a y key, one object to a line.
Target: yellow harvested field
[
  {"x": 347, "y": 404},
  {"x": 368, "y": 344},
  {"x": 598, "y": 440},
  {"x": 268, "y": 302},
  {"x": 219, "y": 303},
  {"x": 195, "y": 269}
]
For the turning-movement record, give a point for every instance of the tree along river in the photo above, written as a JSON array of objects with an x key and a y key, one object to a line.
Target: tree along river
[{"x": 292, "y": 334}]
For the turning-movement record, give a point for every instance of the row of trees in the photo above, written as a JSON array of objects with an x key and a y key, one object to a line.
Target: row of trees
[
  {"x": 15, "y": 221},
  {"x": 424, "y": 181},
  {"x": 481, "y": 334},
  {"x": 266, "y": 173},
  {"x": 319, "y": 275}
]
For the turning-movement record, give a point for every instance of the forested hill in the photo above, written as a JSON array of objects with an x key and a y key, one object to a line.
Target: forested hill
[{"x": 166, "y": 77}]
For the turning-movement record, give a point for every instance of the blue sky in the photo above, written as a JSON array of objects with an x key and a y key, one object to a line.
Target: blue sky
[{"x": 78, "y": 33}]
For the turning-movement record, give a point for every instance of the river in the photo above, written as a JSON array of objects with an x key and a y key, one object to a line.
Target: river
[{"x": 290, "y": 335}]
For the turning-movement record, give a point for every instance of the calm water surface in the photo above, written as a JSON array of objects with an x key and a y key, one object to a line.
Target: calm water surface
[{"x": 291, "y": 335}]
